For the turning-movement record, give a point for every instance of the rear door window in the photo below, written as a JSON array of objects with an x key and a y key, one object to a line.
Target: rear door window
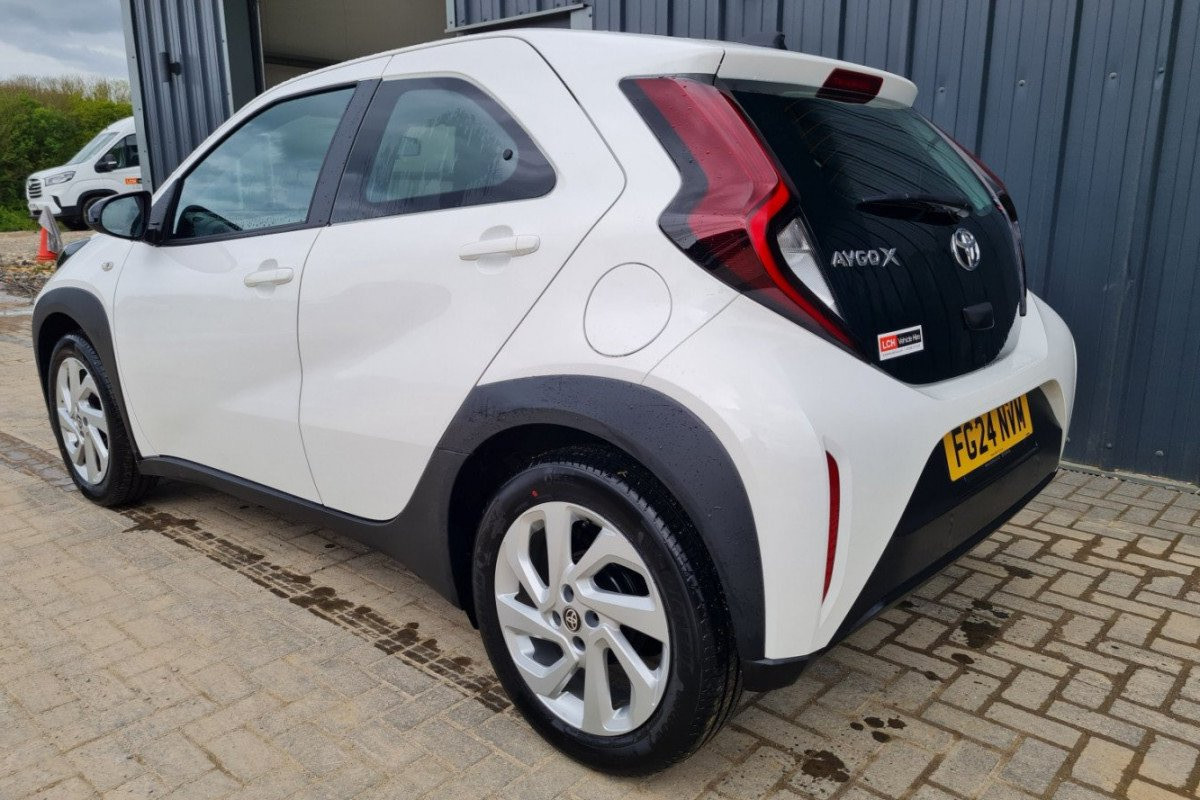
[{"x": 436, "y": 143}]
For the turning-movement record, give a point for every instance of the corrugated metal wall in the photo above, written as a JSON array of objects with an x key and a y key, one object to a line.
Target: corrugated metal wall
[
  {"x": 1090, "y": 110},
  {"x": 180, "y": 74}
]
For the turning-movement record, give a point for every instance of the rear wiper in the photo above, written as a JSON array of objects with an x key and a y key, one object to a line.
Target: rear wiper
[{"x": 915, "y": 206}]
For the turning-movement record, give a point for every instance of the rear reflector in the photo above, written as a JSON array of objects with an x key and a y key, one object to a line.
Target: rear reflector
[
  {"x": 850, "y": 86},
  {"x": 733, "y": 202},
  {"x": 835, "y": 512}
]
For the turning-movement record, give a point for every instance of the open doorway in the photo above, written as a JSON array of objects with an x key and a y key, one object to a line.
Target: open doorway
[{"x": 302, "y": 35}]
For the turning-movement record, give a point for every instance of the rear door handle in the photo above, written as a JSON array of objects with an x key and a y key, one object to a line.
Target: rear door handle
[
  {"x": 263, "y": 277},
  {"x": 521, "y": 245}
]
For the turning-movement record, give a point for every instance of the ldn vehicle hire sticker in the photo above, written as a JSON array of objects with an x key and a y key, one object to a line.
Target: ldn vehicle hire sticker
[{"x": 900, "y": 343}]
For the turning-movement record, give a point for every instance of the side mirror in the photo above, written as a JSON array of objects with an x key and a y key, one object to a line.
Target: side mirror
[
  {"x": 107, "y": 163},
  {"x": 122, "y": 215}
]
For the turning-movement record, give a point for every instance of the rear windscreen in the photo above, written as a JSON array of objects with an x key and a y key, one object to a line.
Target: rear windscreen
[
  {"x": 863, "y": 152},
  {"x": 885, "y": 196}
]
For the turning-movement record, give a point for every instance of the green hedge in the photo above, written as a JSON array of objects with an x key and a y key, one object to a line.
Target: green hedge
[{"x": 43, "y": 122}]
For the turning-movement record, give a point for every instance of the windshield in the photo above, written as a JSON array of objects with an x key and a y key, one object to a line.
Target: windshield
[{"x": 94, "y": 147}]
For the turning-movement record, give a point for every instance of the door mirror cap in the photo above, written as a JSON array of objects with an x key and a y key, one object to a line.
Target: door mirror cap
[
  {"x": 123, "y": 216},
  {"x": 107, "y": 163}
]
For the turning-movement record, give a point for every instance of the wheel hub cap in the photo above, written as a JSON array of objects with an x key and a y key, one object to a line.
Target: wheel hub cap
[
  {"x": 582, "y": 618},
  {"x": 81, "y": 420}
]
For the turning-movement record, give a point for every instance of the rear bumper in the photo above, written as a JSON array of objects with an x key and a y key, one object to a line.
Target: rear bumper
[
  {"x": 780, "y": 399},
  {"x": 942, "y": 521}
]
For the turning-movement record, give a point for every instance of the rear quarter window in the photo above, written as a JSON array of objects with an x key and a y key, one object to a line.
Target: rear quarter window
[{"x": 438, "y": 143}]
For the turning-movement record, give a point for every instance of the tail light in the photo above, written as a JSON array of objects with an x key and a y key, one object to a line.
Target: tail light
[
  {"x": 1005, "y": 201},
  {"x": 734, "y": 214},
  {"x": 850, "y": 86}
]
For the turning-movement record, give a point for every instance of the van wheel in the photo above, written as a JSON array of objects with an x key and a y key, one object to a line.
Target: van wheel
[
  {"x": 602, "y": 614},
  {"x": 84, "y": 208},
  {"x": 91, "y": 437}
]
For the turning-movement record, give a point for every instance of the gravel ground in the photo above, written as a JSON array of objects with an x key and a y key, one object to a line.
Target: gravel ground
[{"x": 20, "y": 272}]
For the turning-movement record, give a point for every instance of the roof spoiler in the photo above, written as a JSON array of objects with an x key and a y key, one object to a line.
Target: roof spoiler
[{"x": 772, "y": 39}]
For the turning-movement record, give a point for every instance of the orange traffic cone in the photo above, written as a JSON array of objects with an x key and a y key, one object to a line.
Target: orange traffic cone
[{"x": 44, "y": 251}]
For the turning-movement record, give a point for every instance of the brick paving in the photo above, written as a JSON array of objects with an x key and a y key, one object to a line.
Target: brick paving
[{"x": 198, "y": 647}]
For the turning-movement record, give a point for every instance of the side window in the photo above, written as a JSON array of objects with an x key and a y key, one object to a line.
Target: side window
[
  {"x": 263, "y": 174},
  {"x": 125, "y": 153},
  {"x": 434, "y": 143}
]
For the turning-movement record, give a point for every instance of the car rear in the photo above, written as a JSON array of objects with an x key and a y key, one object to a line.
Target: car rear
[{"x": 888, "y": 388}]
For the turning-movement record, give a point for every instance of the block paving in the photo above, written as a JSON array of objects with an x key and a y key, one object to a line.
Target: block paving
[{"x": 199, "y": 647}]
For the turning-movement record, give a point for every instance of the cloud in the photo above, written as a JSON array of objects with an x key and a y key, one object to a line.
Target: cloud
[{"x": 62, "y": 37}]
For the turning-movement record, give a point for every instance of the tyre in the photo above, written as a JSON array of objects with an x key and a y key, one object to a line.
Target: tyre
[
  {"x": 602, "y": 614},
  {"x": 84, "y": 208},
  {"x": 73, "y": 223},
  {"x": 91, "y": 436}
]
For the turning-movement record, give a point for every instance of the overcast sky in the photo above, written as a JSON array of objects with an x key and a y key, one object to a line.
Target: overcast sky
[{"x": 62, "y": 37}]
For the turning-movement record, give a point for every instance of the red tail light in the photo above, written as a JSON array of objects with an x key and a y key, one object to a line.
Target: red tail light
[
  {"x": 850, "y": 86},
  {"x": 835, "y": 513},
  {"x": 733, "y": 199}
]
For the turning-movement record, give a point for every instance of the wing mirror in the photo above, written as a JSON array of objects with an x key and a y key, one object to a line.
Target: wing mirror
[
  {"x": 107, "y": 163},
  {"x": 122, "y": 215}
]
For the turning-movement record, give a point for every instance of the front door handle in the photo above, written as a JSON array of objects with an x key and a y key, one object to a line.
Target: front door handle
[
  {"x": 521, "y": 245},
  {"x": 264, "y": 277}
]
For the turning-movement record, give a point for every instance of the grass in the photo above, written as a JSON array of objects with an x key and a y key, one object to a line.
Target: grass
[{"x": 16, "y": 219}]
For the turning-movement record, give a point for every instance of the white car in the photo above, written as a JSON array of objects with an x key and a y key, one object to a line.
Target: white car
[
  {"x": 107, "y": 165},
  {"x": 671, "y": 362}
]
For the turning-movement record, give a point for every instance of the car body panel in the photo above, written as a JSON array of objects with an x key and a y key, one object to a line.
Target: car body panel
[
  {"x": 210, "y": 365},
  {"x": 779, "y": 399},
  {"x": 396, "y": 327}
]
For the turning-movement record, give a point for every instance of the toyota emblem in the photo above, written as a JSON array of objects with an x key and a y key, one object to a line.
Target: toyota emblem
[
  {"x": 571, "y": 618},
  {"x": 965, "y": 249}
]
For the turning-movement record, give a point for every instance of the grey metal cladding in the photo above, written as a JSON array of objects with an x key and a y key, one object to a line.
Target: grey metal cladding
[
  {"x": 184, "y": 93},
  {"x": 1089, "y": 110}
]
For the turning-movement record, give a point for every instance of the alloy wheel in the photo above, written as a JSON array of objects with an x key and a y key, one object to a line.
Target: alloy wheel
[
  {"x": 582, "y": 618},
  {"x": 82, "y": 422}
]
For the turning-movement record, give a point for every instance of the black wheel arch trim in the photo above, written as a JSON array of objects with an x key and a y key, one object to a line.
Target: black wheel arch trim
[
  {"x": 666, "y": 438},
  {"x": 657, "y": 431},
  {"x": 88, "y": 316}
]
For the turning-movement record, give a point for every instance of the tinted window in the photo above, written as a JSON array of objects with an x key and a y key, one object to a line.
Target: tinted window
[
  {"x": 263, "y": 175},
  {"x": 860, "y": 152},
  {"x": 883, "y": 196},
  {"x": 438, "y": 143}
]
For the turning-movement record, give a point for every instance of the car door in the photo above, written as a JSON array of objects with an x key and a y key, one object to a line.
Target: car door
[
  {"x": 205, "y": 321},
  {"x": 473, "y": 177},
  {"x": 126, "y": 170}
]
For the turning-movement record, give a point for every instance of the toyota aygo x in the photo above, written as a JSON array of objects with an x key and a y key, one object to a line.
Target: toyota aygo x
[{"x": 671, "y": 362}]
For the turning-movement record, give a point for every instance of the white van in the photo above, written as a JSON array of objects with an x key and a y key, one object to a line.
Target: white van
[{"x": 106, "y": 165}]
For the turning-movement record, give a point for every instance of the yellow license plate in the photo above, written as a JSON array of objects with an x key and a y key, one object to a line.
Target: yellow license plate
[{"x": 978, "y": 441}]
